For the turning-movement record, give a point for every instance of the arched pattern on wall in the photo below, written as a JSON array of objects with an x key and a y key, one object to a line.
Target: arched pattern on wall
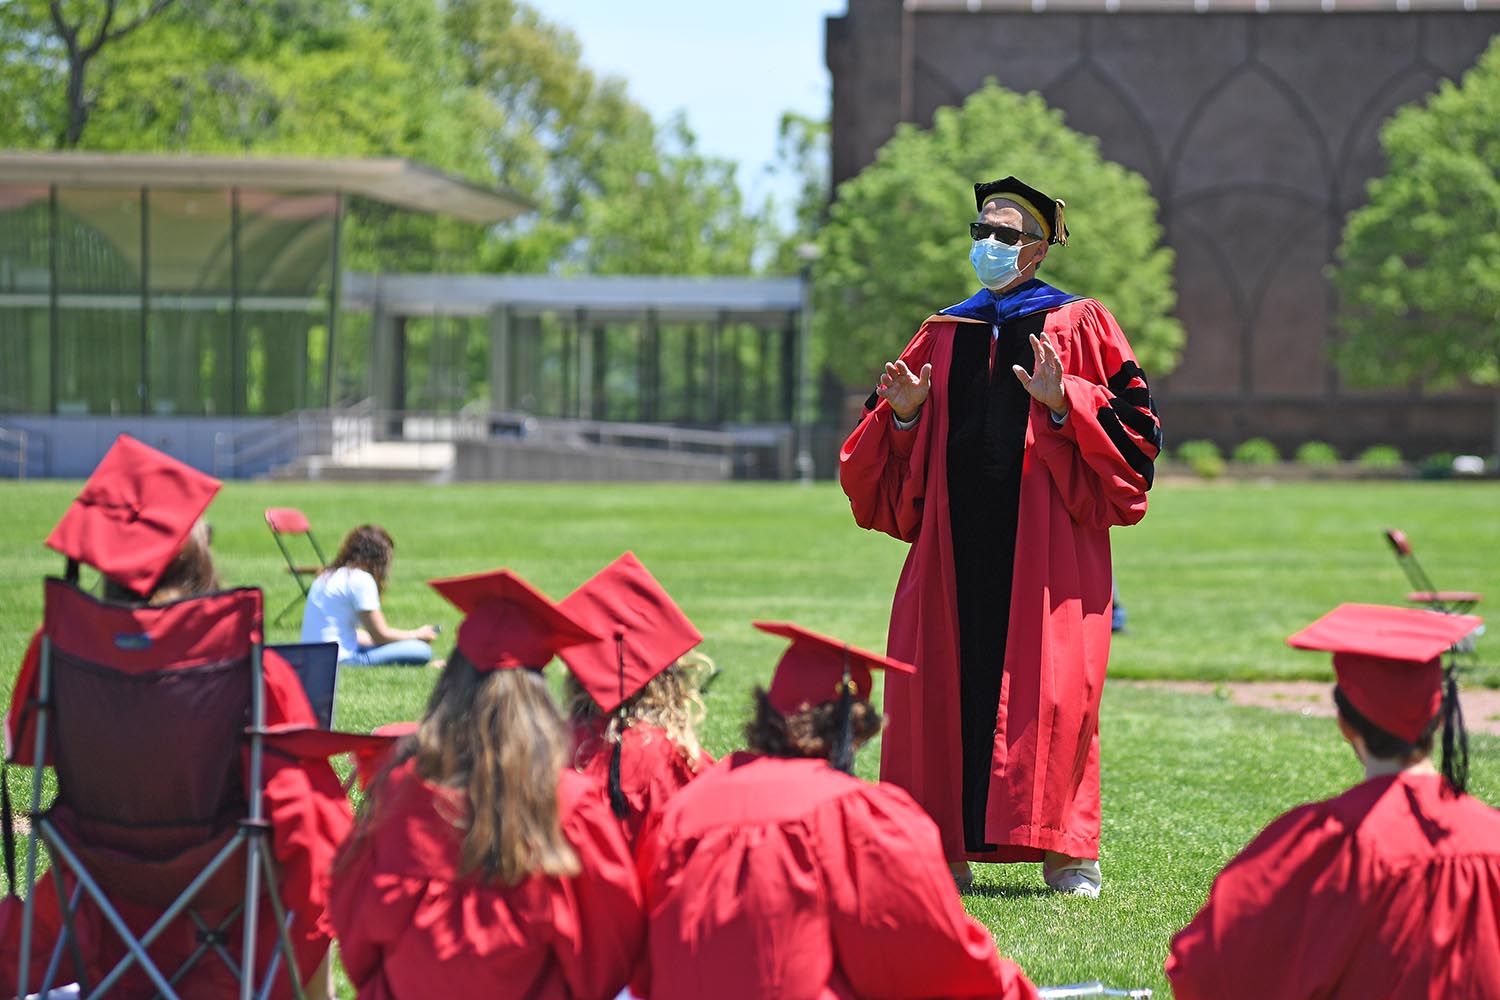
[{"x": 1244, "y": 124}]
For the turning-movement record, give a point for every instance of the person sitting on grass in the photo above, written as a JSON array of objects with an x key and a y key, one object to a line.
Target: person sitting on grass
[
  {"x": 633, "y": 696},
  {"x": 343, "y": 606},
  {"x": 481, "y": 864},
  {"x": 1389, "y": 890},
  {"x": 778, "y": 873}
]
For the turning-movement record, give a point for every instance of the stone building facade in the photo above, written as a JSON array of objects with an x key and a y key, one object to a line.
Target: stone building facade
[{"x": 1257, "y": 125}]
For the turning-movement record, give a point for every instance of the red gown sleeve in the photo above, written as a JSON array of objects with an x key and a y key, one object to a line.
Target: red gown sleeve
[
  {"x": 600, "y": 941},
  {"x": 1102, "y": 457},
  {"x": 882, "y": 469},
  {"x": 899, "y": 928},
  {"x": 370, "y": 912},
  {"x": 20, "y": 733},
  {"x": 1280, "y": 919},
  {"x": 309, "y": 814}
]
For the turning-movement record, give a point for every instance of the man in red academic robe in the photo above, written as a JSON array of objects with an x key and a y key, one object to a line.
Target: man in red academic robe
[
  {"x": 1390, "y": 890},
  {"x": 1014, "y": 431}
]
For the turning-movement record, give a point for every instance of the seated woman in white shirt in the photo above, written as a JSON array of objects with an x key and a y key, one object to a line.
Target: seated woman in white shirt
[{"x": 343, "y": 606}]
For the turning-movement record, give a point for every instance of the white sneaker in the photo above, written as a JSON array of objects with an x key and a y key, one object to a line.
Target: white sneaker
[{"x": 1072, "y": 876}]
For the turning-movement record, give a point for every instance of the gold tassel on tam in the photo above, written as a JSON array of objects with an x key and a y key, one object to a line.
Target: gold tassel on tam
[{"x": 1060, "y": 229}]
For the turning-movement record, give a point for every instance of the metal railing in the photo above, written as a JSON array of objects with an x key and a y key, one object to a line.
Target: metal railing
[
  {"x": 13, "y": 445},
  {"x": 761, "y": 451},
  {"x": 354, "y": 435}
]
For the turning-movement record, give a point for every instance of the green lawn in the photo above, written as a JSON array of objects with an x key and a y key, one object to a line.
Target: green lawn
[{"x": 1215, "y": 578}]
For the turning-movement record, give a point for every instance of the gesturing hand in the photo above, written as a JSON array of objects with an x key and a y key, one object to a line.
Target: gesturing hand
[
  {"x": 904, "y": 391},
  {"x": 1044, "y": 381}
]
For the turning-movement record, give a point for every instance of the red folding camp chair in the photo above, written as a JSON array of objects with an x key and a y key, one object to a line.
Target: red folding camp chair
[
  {"x": 1450, "y": 601},
  {"x": 284, "y": 521},
  {"x": 144, "y": 713}
]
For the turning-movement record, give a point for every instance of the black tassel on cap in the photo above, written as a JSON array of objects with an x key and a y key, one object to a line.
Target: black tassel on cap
[
  {"x": 1455, "y": 735},
  {"x": 841, "y": 755},
  {"x": 617, "y": 801}
]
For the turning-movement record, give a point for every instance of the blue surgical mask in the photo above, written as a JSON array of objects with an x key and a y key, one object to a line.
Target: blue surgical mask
[{"x": 995, "y": 263}]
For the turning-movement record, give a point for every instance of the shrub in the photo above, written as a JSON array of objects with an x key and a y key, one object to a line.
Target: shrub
[
  {"x": 1203, "y": 457},
  {"x": 1438, "y": 466},
  {"x": 1318, "y": 453},
  {"x": 1257, "y": 451},
  {"x": 1379, "y": 456}
]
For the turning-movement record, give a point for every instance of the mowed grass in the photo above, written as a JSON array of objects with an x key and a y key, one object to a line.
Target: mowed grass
[{"x": 1214, "y": 579}]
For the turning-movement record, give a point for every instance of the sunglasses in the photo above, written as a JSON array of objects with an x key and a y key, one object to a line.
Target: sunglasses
[{"x": 1010, "y": 237}]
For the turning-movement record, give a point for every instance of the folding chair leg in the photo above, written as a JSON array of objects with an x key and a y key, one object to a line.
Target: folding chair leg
[
  {"x": 295, "y": 602},
  {"x": 135, "y": 946},
  {"x": 284, "y": 925},
  {"x": 67, "y": 938},
  {"x": 252, "y": 912},
  {"x": 212, "y": 939}
]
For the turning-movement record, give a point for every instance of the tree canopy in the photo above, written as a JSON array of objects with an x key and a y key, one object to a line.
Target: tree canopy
[
  {"x": 1418, "y": 271},
  {"x": 895, "y": 248},
  {"x": 486, "y": 88}
]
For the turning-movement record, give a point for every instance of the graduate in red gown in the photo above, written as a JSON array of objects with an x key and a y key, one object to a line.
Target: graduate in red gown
[
  {"x": 1014, "y": 431},
  {"x": 1390, "y": 890},
  {"x": 779, "y": 874},
  {"x": 138, "y": 520},
  {"x": 481, "y": 864},
  {"x": 633, "y": 695}
]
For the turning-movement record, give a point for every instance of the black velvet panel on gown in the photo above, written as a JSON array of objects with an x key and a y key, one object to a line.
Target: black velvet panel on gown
[{"x": 987, "y": 413}]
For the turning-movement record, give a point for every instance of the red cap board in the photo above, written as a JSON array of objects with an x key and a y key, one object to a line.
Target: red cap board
[
  {"x": 811, "y": 671},
  {"x": 508, "y": 624},
  {"x": 133, "y": 515},
  {"x": 1387, "y": 660},
  {"x": 639, "y": 623}
]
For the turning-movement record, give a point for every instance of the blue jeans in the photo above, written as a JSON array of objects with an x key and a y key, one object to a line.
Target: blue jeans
[{"x": 403, "y": 652}]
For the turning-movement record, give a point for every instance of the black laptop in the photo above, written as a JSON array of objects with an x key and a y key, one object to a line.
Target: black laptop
[{"x": 317, "y": 667}]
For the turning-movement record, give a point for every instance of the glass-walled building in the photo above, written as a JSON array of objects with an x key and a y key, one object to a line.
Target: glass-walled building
[{"x": 186, "y": 286}]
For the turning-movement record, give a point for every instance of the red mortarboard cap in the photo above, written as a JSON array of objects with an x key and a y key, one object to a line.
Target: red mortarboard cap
[
  {"x": 507, "y": 623},
  {"x": 625, "y": 605},
  {"x": 1386, "y": 660},
  {"x": 133, "y": 515},
  {"x": 811, "y": 670}
]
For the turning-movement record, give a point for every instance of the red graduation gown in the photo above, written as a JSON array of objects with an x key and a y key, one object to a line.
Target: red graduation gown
[
  {"x": 1077, "y": 481},
  {"x": 409, "y": 925},
  {"x": 1390, "y": 890},
  {"x": 309, "y": 815},
  {"x": 652, "y": 769},
  {"x": 769, "y": 877}
]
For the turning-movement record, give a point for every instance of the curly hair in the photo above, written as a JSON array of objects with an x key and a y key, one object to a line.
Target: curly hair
[
  {"x": 672, "y": 702},
  {"x": 810, "y": 732},
  {"x": 368, "y": 547}
]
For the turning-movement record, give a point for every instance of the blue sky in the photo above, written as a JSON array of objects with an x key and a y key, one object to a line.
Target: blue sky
[{"x": 731, "y": 67}]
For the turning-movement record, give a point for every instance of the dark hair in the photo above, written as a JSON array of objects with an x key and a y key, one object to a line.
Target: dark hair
[
  {"x": 191, "y": 573},
  {"x": 368, "y": 547},
  {"x": 1388, "y": 746},
  {"x": 812, "y": 732}
]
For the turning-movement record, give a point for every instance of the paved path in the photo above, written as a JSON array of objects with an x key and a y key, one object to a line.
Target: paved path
[{"x": 1481, "y": 705}]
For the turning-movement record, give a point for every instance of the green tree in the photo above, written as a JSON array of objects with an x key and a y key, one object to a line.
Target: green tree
[
  {"x": 669, "y": 210},
  {"x": 895, "y": 248},
  {"x": 1418, "y": 271},
  {"x": 802, "y": 156}
]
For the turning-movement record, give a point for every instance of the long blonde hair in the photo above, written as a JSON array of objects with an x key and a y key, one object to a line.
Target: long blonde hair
[
  {"x": 497, "y": 736},
  {"x": 672, "y": 701}
]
